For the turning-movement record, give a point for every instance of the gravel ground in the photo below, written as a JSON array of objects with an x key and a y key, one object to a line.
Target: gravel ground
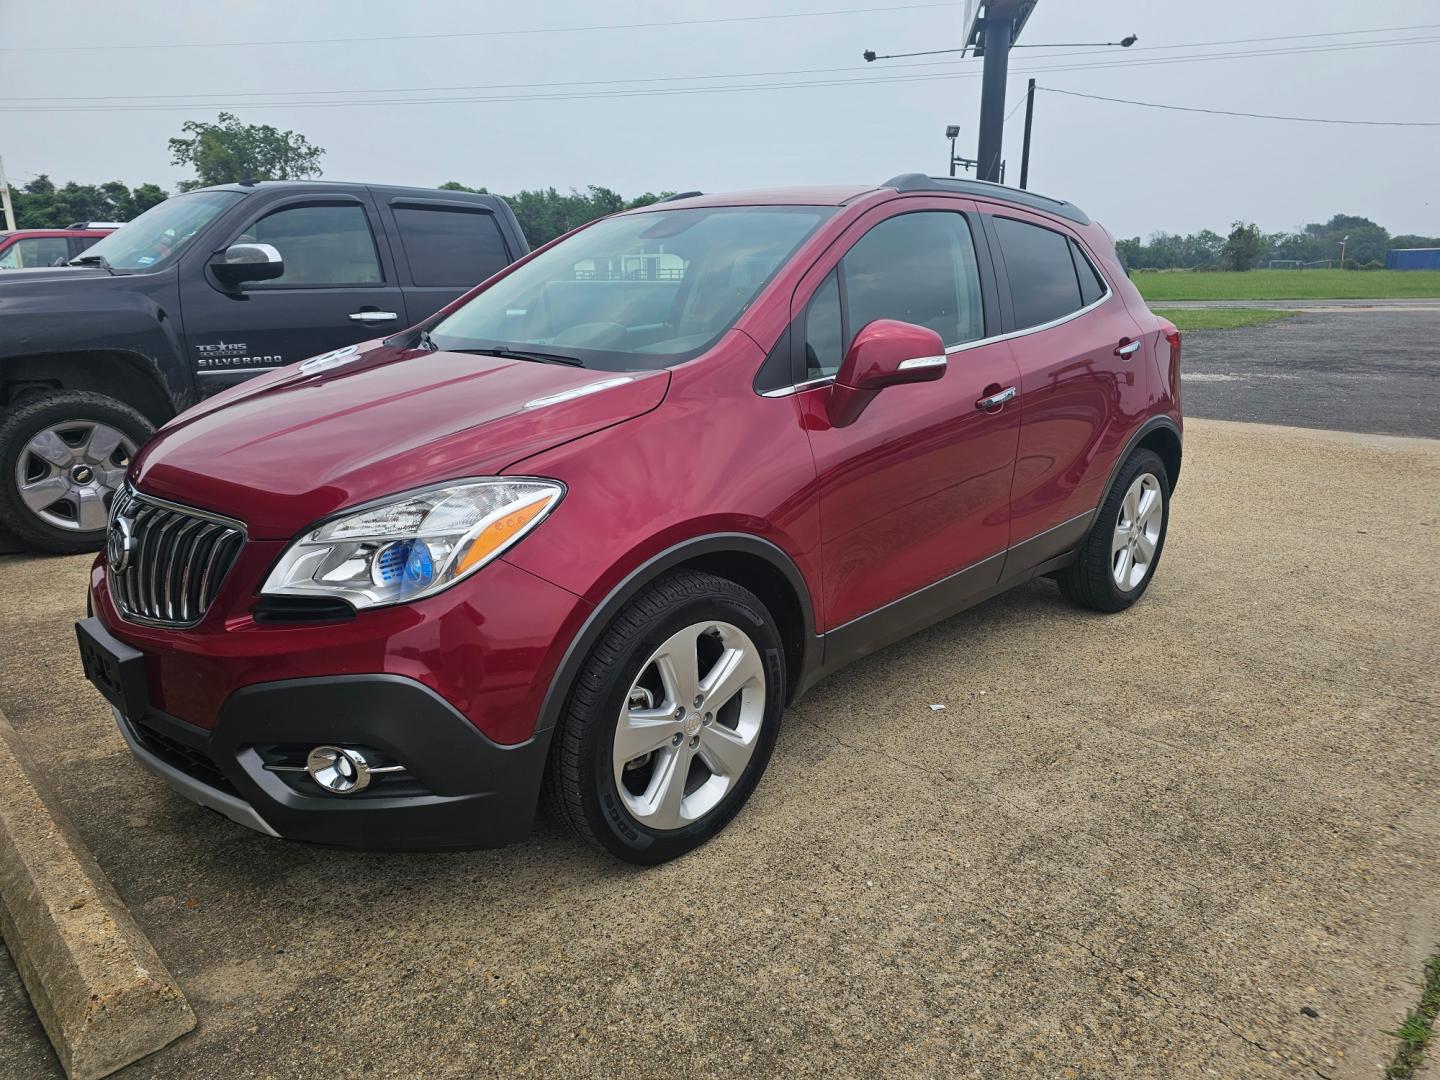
[
  {"x": 1349, "y": 369},
  {"x": 1133, "y": 845}
]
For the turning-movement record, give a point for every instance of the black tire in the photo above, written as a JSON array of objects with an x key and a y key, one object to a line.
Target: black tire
[
  {"x": 26, "y": 420},
  {"x": 580, "y": 783},
  {"x": 1090, "y": 581}
]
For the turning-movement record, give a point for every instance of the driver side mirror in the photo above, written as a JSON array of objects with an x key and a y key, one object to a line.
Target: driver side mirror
[
  {"x": 248, "y": 262},
  {"x": 885, "y": 352}
]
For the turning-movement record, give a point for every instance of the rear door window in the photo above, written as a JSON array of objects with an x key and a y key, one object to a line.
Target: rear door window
[
  {"x": 1043, "y": 283},
  {"x": 321, "y": 245},
  {"x": 448, "y": 246}
]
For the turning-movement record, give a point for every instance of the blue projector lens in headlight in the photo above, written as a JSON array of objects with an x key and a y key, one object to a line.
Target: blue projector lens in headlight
[{"x": 419, "y": 566}]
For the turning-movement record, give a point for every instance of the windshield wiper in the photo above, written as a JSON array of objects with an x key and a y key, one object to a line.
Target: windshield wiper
[
  {"x": 92, "y": 260},
  {"x": 525, "y": 354}
]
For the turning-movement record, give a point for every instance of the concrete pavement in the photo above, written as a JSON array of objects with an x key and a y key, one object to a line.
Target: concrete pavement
[{"x": 1133, "y": 845}]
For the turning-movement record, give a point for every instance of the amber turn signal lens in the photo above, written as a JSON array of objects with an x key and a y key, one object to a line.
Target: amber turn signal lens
[{"x": 499, "y": 531}]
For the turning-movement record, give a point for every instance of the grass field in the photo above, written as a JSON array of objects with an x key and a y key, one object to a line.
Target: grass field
[
  {"x": 1188, "y": 319},
  {"x": 1288, "y": 284}
]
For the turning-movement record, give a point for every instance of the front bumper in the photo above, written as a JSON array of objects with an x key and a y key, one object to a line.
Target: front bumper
[{"x": 459, "y": 789}]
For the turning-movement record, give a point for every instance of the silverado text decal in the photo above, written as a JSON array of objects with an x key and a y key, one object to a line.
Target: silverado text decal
[{"x": 225, "y": 355}]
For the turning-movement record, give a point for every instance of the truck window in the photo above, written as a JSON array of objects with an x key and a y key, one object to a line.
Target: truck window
[
  {"x": 321, "y": 245},
  {"x": 35, "y": 251},
  {"x": 450, "y": 246}
]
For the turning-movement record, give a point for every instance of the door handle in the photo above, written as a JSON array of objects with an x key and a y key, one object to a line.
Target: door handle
[
  {"x": 373, "y": 316},
  {"x": 994, "y": 401},
  {"x": 1127, "y": 348}
]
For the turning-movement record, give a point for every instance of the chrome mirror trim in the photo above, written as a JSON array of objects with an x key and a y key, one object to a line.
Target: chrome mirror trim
[{"x": 915, "y": 363}]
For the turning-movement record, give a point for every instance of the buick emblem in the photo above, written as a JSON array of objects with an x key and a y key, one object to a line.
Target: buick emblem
[{"x": 118, "y": 543}]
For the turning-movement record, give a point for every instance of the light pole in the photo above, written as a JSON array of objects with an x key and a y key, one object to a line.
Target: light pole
[
  {"x": 952, "y": 132},
  {"x": 1343, "y": 241}
]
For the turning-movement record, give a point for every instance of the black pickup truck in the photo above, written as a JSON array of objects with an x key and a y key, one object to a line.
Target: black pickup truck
[{"x": 196, "y": 294}]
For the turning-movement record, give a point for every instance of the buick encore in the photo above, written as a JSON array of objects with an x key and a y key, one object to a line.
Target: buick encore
[{"x": 587, "y": 530}]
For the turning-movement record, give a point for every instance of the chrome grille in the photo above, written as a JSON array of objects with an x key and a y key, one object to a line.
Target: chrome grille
[{"x": 167, "y": 562}]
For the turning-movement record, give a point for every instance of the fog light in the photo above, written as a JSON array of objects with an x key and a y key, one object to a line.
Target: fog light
[{"x": 338, "y": 770}]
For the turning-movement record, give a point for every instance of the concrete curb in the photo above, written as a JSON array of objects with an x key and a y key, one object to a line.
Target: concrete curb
[{"x": 100, "y": 990}]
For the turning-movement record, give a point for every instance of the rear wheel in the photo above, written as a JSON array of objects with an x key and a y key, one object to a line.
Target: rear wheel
[
  {"x": 62, "y": 456},
  {"x": 671, "y": 721},
  {"x": 1117, "y": 559}
]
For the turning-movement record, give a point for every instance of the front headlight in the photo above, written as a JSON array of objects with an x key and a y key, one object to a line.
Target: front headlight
[{"x": 414, "y": 544}]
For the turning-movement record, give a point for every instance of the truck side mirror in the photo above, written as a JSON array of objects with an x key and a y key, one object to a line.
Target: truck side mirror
[
  {"x": 248, "y": 262},
  {"x": 886, "y": 352}
]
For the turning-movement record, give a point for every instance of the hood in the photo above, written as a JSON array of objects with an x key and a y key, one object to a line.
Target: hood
[{"x": 288, "y": 448}]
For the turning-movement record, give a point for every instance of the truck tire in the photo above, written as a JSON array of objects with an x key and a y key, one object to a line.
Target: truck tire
[{"x": 62, "y": 456}]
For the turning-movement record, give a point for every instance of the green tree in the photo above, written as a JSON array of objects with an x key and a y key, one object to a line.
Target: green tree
[
  {"x": 42, "y": 205},
  {"x": 545, "y": 213},
  {"x": 227, "y": 151},
  {"x": 1243, "y": 247}
]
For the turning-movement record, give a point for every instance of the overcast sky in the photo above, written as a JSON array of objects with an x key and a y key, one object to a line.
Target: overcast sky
[{"x": 603, "y": 105}]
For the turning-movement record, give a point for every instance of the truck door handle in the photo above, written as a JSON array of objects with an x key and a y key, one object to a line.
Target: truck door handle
[
  {"x": 1127, "y": 348},
  {"x": 373, "y": 316},
  {"x": 994, "y": 401}
]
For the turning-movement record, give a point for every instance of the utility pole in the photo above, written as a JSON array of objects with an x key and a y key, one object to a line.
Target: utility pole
[
  {"x": 1343, "y": 241},
  {"x": 996, "y": 33},
  {"x": 1029, "y": 116},
  {"x": 5, "y": 199}
]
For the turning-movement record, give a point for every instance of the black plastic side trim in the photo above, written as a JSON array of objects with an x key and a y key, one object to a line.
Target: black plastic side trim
[
  {"x": 1053, "y": 541},
  {"x": 642, "y": 575},
  {"x": 908, "y": 615}
]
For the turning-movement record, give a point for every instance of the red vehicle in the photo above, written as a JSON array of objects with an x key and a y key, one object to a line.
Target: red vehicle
[
  {"x": 25, "y": 248},
  {"x": 592, "y": 526}
]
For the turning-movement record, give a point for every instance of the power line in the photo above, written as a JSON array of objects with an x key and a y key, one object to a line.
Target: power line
[
  {"x": 1184, "y": 45},
  {"x": 1129, "y": 60},
  {"x": 479, "y": 33},
  {"x": 1251, "y": 115},
  {"x": 657, "y": 91}
]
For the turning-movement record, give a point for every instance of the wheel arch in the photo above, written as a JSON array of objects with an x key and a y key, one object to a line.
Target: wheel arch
[
  {"x": 1160, "y": 434},
  {"x": 750, "y": 561},
  {"x": 128, "y": 377}
]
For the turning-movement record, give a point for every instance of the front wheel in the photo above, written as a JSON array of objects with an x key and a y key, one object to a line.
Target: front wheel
[
  {"x": 671, "y": 720},
  {"x": 1117, "y": 559},
  {"x": 62, "y": 456}
]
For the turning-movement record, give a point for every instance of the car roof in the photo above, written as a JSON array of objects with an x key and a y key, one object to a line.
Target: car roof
[{"x": 843, "y": 194}]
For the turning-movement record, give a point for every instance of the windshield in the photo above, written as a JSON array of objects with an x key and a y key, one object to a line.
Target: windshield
[
  {"x": 161, "y": 231},
  {"x": 636, "y": 292}
]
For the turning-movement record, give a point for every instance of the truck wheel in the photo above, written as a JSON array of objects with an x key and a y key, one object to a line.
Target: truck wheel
[{"x": 62, "y": 456}]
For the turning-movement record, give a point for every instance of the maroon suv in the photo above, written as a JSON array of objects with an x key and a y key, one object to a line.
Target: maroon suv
[{"x": 589, "y": 528}]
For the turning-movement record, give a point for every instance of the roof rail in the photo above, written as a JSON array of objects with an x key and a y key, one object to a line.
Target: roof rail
[
  {"x": 95, "y": 225},
  {"x": 680, "y": 195},
  {"x": 985, "y": 189}
]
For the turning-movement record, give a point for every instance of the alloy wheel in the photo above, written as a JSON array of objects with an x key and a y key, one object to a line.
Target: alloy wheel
[
  {"x": 67, "y": 472},
  {"x": 690, "y": 725},
  {"x": 1137, "y": 532}
]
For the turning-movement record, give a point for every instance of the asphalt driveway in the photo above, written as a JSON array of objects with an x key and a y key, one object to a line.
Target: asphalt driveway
[
  {"x": 1135, "y": 845},
  {"x": 1373, "y": 368}
]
